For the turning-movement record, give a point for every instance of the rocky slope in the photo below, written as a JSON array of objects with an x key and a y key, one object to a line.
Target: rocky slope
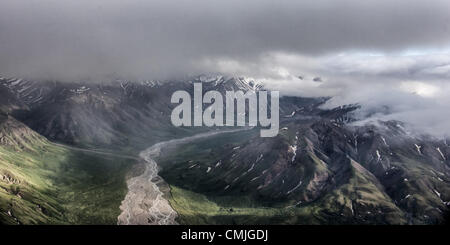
[
  {"x": 377, "y": 173},
  {"x": 321, "y": 168},
  {"x": 119, "y": 114}
]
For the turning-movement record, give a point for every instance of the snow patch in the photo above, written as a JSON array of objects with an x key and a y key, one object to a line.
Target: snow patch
[
  {"x": 295, "y": 188},
  {"x": 291, "y": 115},
  {"x": 259, "y": 158},
  {"x": 293, "y": 149},
  {"x": 16, "y": 82},
  {"x": 419, "y": 148},
  {"x": 251, "y": 168},
  {"x": 440, "y": 152},
  {"x": 254, "y": 179},
  {"x": 437, "y": 193},
  {"x": 378, "y": 155}
]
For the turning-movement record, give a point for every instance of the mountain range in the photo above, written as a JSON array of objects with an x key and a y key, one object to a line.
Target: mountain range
[{"x": 322, "y": 167}]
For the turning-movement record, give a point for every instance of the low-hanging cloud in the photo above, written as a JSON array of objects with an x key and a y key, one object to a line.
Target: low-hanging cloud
[
  {"x": 353, "y": 51},
  {"x": 405, "y": 88},
  {"x": 162, "y": 38}
]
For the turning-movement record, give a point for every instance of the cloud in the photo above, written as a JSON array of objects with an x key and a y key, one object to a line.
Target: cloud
[
  {"x": 411, "y": 88},
  {"x": 160, "y": 38},
  {"x": 360, "y": 50}
]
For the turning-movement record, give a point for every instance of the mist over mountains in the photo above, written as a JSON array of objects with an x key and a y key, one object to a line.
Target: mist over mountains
[
  {"x": 86, "y": 86},
  {"x": 380, "y": 55}
]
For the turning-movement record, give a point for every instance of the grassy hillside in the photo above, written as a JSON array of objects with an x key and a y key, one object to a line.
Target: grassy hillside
[
  {"x": 196, "y": 208},
  {"x": 41, "y": 183}
]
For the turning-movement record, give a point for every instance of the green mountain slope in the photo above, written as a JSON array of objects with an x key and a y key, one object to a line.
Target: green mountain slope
[{"x": 42, "y": 183}]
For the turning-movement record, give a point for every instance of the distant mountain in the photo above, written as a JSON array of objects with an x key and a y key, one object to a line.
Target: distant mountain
[
  {"x": 117, "y": 114},
  {"x": 120, "y": 114}
]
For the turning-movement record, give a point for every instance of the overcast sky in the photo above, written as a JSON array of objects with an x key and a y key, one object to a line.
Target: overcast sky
[{"x": 373, "y": 52}]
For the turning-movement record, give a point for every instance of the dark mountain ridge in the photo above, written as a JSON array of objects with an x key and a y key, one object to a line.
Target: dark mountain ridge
[{"x": 321, "y": 160}]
